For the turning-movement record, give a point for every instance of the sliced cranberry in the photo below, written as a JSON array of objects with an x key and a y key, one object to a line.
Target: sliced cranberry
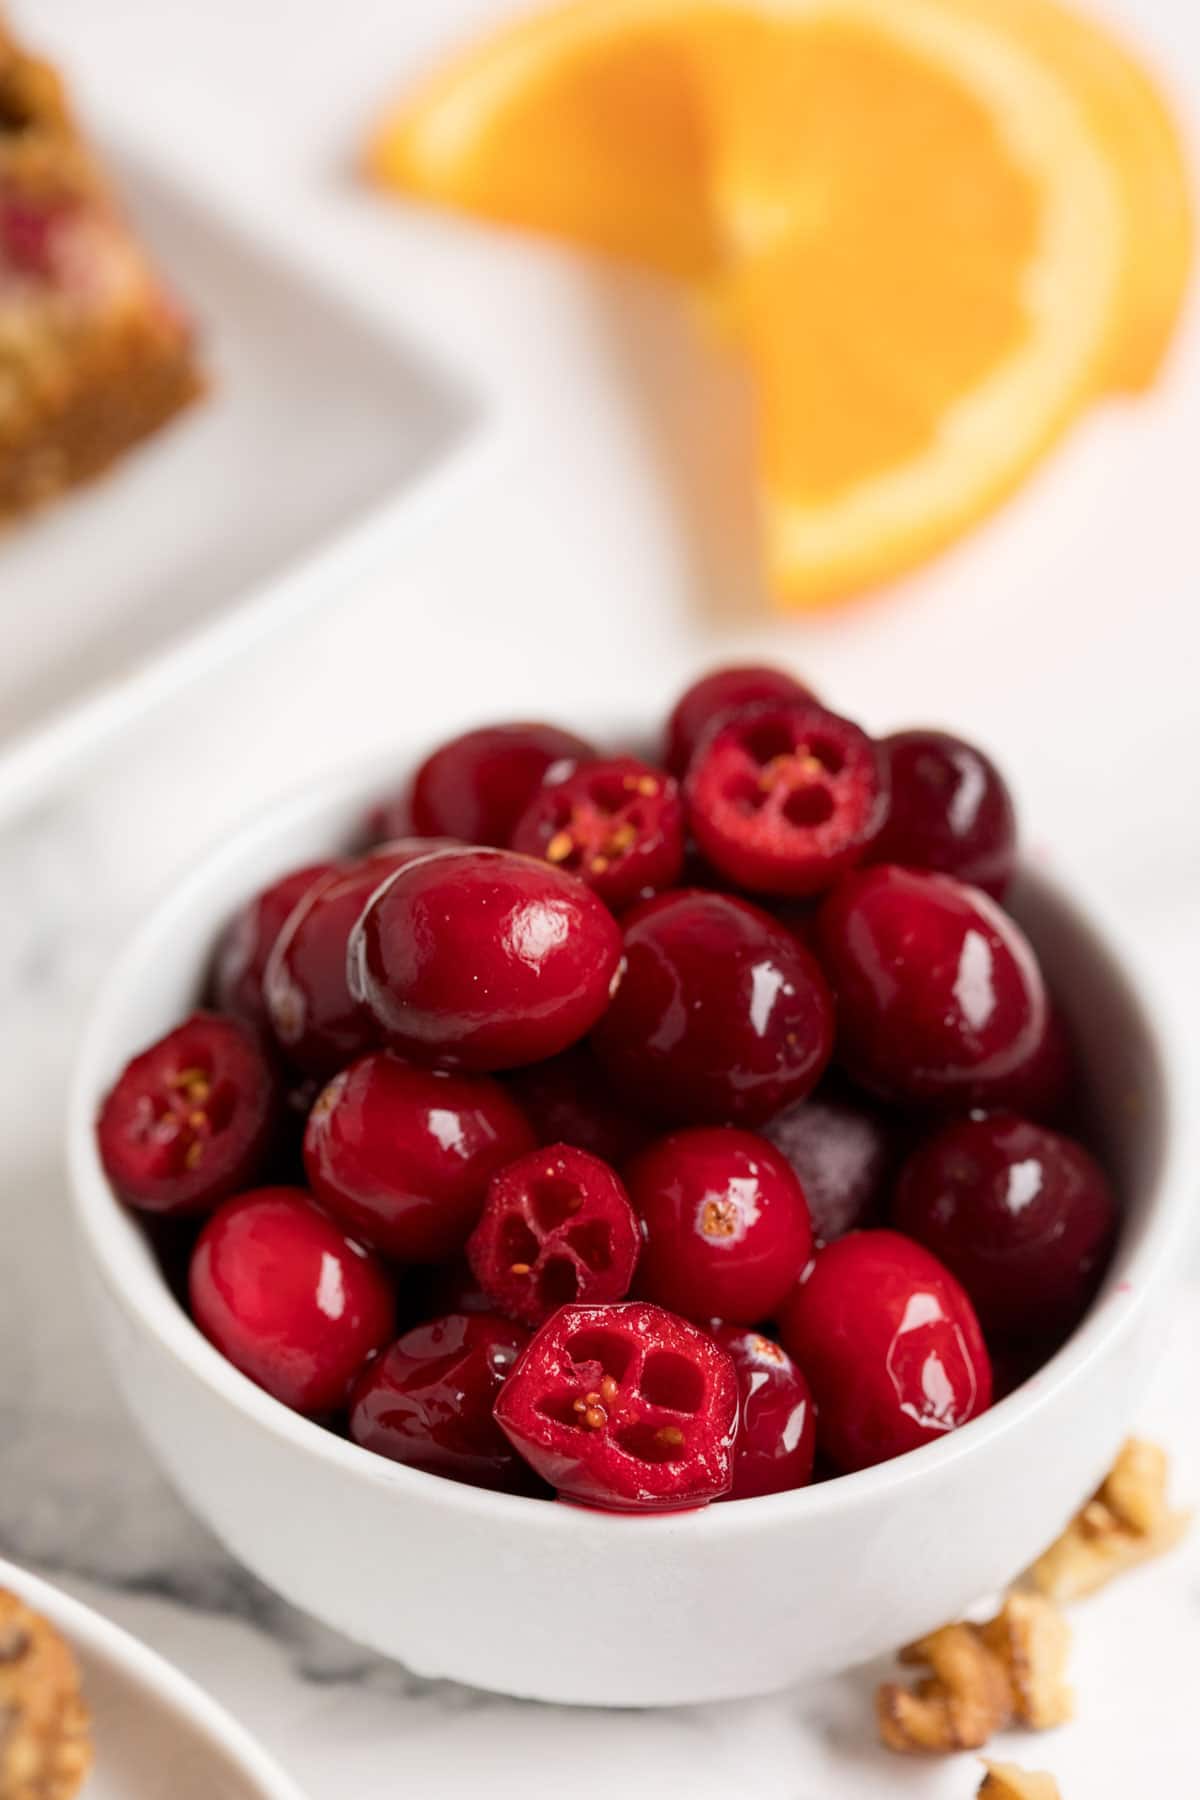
[
  {"x": 777, "y": 1435},
  {"x": 288, "y": 1298},
  {"x": 785, "y": 796},
  {"x": 721, "y": 1013},
  {"x": 725, "y": 1221},
  {"x": 427, "y": 1401},
  {"x": 716, "y": 698},
  {"x": 556, "y": 1228},
  {"x": 617, "y": 824},
  {"x": 950, "y": 811},
  {"x": 624, "y": 1407},
  {"x": 249, "y": 938},
  {"x": 568, "y": 1100},
  {"x": 1023, "y": 1216},
  {"x": 477, "y": 786},
  {"x": 939, "y": 993},
  {"x": 891, "y": 1346},
  {"x": 402, "y": 1157},
  {"x": 842, "y": 1149},
  {"x": 191, "y": 1119},
  {"x": 482, "y": 959}
]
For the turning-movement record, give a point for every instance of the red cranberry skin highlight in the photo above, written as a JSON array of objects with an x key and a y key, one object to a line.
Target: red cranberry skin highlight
[
  {"x": 777, "y": 1433},
  {"x": 950, "y": 811}
]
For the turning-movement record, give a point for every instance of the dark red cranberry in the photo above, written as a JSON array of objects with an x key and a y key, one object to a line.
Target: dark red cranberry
[
  {"x": 191, "y": 1119},
  {"x": 616, "y": 823},
  {"x": 939, "y": 993},
  {"x": 717, "y": 697},
  {"x": 249, "y": 938},
  {"x": 1023, "y": 1216},
  {"x": 725, "y": 1222},
  {"x": 556, "y": 1228},
  {"x": 317, "y": 1024},
  {"x": 777, "y": 1433},
  {"x": 950, "y": 811},
  {"x": 842, "y": 1151},
  {"x": 624, "y": 1407},
  {"x": 568, "y": 1100},
  {"x": 890, "y": 1345},
  {"x": 427, "y": 1401},
  {"x": 786, "y": 796},
  {"x": 402, "y": 1157},
  {"x": 477, "y": 786},
  {"x": 482, "y": 959},
  {"x": 721, "y": 1013},
  {"x": 1044, "y": 1087},
  {"x": 288, "y": 1298}
]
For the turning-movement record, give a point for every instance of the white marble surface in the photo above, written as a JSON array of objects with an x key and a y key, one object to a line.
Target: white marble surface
[{"x": 1065, "y": 635}]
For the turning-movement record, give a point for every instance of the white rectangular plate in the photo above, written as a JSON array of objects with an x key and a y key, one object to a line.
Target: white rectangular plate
[{"x": 323, "y": 437}]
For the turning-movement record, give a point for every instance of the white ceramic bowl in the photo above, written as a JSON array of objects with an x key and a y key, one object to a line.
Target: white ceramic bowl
[{"x": 558, "y": 1603}]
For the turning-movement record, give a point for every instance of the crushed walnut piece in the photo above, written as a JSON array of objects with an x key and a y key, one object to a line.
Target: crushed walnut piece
[
  {"x": 1005, "y": 1781},
  {"x": 1126, "y": 1522}
]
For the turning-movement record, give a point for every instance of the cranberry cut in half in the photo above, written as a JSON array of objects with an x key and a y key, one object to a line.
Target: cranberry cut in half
[
  {"x": 716, "y": 697},
  {"x": 785, "y": 796},
  {"x": 427, "y": 1401},
  {"x": 617, "y": 824},
  {"x": 891, "y": 1347},
  {"x": 402, "y": 1157},
  {"x": 288, "y": 1298},
  {"x": 557, "y": 1228},
  {"x": 624, "y": 1407},
  {"x": 950, "y": 811},
  {"x": 191, "y": 1120},
  {"x": 777, "y": 1433},
  {"x": 841, "y": 1149},
  {"x": 482, "y": 959},
  {"x": 568, "y": 1100},
  {"x": 721, "y": 1015},
  {"x": 476, "y": 787},
  {"x": 725, "y": 1223},
  {"x": 249, "y": 938},
  {"x": 939, "y": 993},
  {"x": 1023, "y": 1216}
]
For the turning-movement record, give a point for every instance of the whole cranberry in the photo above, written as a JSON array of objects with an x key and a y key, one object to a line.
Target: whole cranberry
[
  {"x": 616, "y": 823},
  {"x": 482, "y": 959},
  {"x": 624, "y": 1407},
  {"x": 841, "y": 1150},
  {"x": 248, "y": 939},
  {"x": 569, "y": 1100},
  {"x": 402, "y": 1157},
  {"x": 475, "y": 787},
  {"x": 1023, "y": 1216},
  {"x": 939, "y": 993},
  {"x": 725, "y": 1224},
  {"x": 1045, "y": 1086},
  {"x": 950, "y": 811},
  {"x": 777, "y": 1433},
  {"x": 427, "y": 1401},
  {"x": 721, "y": 1013},
  {"x": 890, "y": 1345},
  {"x": 288, "y": 1298},
  {"x": 717, "y": 697}
]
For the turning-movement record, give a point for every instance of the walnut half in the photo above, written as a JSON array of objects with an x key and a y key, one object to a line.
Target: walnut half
[
  {"x": 1125, "y": 1522},
  {"x": 1004, "y": 1781}
]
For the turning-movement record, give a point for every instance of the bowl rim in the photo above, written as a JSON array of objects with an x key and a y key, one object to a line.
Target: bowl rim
[{"x": 118, "y": 1254}]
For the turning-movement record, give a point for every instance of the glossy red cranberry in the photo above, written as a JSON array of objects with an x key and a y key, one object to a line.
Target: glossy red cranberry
[
  {"x": 939, "y": 993},
  {"x": 841, "y": 1149},
  {"x": 568, "y": 1100},
  {"x": 1022, "y": 1215},
  {"x": 249, "y": 938},
  {"x": 556, "y": 1228},
  {"x": 716, "y": 698},
  {"x": 777, "y": 1433},
  {"x": 482, "y": 959},
  {"x": 624, "y": 1407},
  {"x": 616, "y": 823},
  {"x": 890, "y": 1345},
  {"x": 402, "y": 1157},
  {"x": 721, "y": 1013},
  {"x": 950, "y": 811},
  {"x": 477, "y": 786},
  {"x": 725, "y": 1222},
  {"x": 427, "y": 1401},
  {"x": 288, "y": 1298},
  {"x": 191, "y": 1119},
  {"x": 785, "y": 796},
  {"x": 1045, "y": 1086},
  {"x": 317, "y": 1024}
]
